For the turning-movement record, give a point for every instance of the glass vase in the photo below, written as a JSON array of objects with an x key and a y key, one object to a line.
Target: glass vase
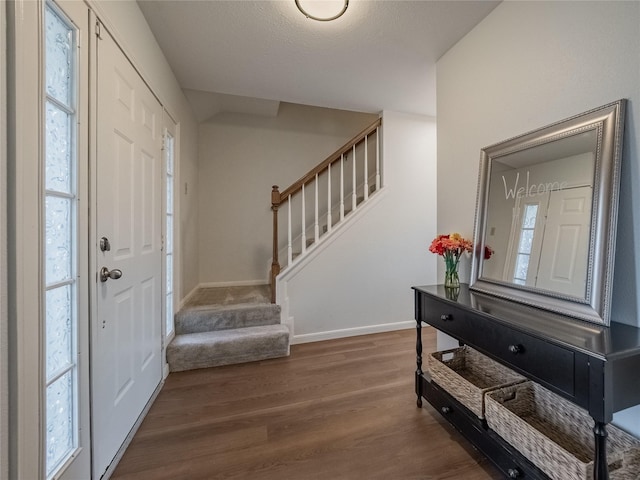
[{"x": 451, "y": 278}]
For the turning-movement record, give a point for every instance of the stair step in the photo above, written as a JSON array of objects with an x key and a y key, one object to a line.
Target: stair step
[
  {"x": 226, "y": 347},
  {"x": 225, "y": 317}
]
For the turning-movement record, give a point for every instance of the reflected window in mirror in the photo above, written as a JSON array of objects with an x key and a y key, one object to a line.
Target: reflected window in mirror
[{"x": 527, "y": 233}]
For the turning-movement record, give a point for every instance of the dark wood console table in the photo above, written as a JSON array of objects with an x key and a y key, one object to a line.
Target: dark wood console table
[{"x": 595, "y": 367}]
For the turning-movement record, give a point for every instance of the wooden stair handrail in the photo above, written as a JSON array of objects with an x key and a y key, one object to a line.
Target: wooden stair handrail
[
  {"x": 329, "y": 160},
  {"x": 277, "y": 198}
]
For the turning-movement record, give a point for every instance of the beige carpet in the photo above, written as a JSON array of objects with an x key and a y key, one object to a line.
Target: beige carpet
[{"x": 230, "y": 295}]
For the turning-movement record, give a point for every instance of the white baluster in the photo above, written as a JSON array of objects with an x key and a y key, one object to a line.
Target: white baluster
[
  {"x": 366, "y": 169},
  {"x": 316, "y": 227},
  {"x": 341, "y": 187},
  {"x": 289, "y": 245},
  {"x": 354, "y": 195},
  {"x": 329, "y": 219},
  {"x": 377, "y": 158},
  {"x": 304, "y": 223}
]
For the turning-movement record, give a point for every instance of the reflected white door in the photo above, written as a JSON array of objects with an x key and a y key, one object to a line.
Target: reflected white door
[
  {"x": 563, "y": 259},
  {"x": 126, "y": 337}
]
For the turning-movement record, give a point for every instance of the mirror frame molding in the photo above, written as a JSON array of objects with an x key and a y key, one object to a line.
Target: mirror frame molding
[{"x": 608, "y": 120}]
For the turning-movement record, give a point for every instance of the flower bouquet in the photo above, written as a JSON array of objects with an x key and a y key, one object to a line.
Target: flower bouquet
[{"x": 451, "y": 247}]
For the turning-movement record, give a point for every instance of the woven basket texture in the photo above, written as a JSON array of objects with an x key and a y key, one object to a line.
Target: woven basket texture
[
  {"x": 630, "y": 469},
  {"x": 556, "y": 435},
  {"x": 467, "y": 375}
]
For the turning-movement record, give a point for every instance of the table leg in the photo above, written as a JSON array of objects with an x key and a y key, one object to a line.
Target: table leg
[
  {"x": 600, "y": 467},
  {"x": 419, "y": 362}
]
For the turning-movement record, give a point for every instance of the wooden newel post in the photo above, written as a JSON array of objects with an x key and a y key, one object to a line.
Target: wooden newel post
[{"x": 275, "y": 264}]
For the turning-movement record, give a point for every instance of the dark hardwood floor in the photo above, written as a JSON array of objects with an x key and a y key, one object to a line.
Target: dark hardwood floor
[{"x": 339, "y": 409}]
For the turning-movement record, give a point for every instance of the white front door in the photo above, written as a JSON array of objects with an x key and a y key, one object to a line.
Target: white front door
[
  {"x": 563, "y": 259},
  {"x": 126, "y": 354}
]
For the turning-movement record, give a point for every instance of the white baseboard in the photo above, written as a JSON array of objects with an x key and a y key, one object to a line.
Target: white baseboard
[
  {"x": 242, "y": 283},
  {"x": 352, "y": 332},
  {"x": 187, "y": 297}
]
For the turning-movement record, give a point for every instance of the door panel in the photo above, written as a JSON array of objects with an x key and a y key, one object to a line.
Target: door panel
[
  {"x": 127, "y": 365},
  {"x": 563, "y": 266}
]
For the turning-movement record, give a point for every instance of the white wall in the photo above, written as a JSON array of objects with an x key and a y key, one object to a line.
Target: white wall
[
  {"x": 361, "y": 281},
  {"x": 126, "y": 22},
  {"x": 240, "y": 157},
  {"x": 526, "y": 65}
]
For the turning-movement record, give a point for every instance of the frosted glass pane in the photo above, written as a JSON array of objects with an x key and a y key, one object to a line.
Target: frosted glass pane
[
  {"x": 170, "y": 153},
  {"x": 526, "y": 240},
  {"x": 59, "y": 333},
  {"x": 58, "y": 240},
  {"x": 169, "y": 239},
  {"x": 169, "y": 273},
  {"x": 58, "y": 149},
  {"x": 59, "y": 55},
  {"x": 169, "y": 194},
  {"x": 59, "y": 421},
  {"x": 530, "y": 213},
  {"x": 169, "y": 310},
  {"x": 522, "y": 265}
]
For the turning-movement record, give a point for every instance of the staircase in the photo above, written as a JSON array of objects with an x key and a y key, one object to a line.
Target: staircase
[
  {"x": 223, "y": 326},
  {"x": 322, "y": 198}
]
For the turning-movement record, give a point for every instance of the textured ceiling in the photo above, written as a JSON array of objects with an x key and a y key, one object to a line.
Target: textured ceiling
[{"x": 379, "y": 56}]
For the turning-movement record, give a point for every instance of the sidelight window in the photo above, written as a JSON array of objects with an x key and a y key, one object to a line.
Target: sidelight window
[
  {"x": 169, "y": 152},
  {"x": 60, "y": 242}
]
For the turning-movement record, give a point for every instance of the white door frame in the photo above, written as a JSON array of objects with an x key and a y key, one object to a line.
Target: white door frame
[
  {"x": 4, "y": 318},
  {"x": 24, "y": 286}
]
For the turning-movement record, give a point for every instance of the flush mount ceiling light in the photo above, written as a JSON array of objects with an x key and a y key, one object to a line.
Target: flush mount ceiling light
[{"x": 322, "y": 10}]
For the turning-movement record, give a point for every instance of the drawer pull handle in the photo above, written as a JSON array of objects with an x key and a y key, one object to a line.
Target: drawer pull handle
[
  {"x": 513, "y": 473},
  {"x": 445, "y": 317},
  {"x": 445, "y": 410},
  {"x": 515, "y": 349}
]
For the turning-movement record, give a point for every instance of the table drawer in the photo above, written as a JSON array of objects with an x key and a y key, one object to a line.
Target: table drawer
[
  {"x": 540, "y": 360},
  {"x": 446, "y": 318}
]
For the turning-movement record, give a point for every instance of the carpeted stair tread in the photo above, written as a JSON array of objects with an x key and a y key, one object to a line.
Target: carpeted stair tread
[
  {"x": 224, "y": 317},
  {"x": 225, "y": 347}
]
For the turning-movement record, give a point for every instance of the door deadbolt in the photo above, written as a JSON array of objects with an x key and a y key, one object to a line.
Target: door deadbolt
[
  {"x": 106, "y": 274},
  {"x": 105, "y": 246}
]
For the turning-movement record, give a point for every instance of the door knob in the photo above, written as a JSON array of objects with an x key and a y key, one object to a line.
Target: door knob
[{"x": 105, "y": 274}]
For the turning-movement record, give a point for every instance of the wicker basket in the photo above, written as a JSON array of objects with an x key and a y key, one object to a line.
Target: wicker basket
[
  {"x": 556, "y": 435},
  {"x": 467, "y": 375},
  {"x": 630, "y": 469}
]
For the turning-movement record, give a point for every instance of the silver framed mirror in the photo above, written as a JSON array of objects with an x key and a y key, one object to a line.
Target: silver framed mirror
[{"x": 546, "y": 215}]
